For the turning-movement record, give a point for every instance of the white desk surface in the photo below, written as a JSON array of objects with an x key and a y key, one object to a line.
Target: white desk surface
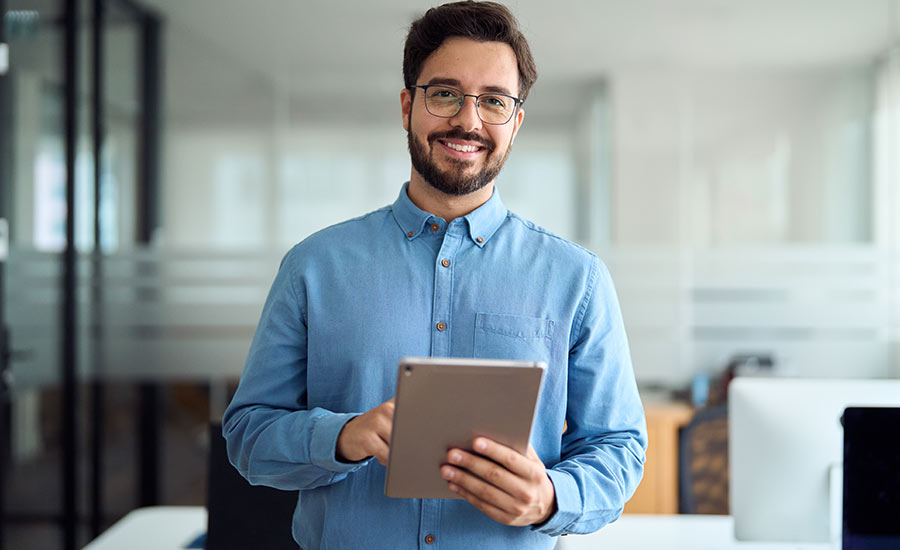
[
  {"x": 154, "y": 528},
  {"x": 676, "y": 532},
  {"x": 174, "y": 527}
]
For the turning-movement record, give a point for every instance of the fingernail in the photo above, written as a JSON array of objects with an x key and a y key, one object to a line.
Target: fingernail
[
  {"x": 455, "y": 458},
  {"x": 453, "y": 488},
  {"x": 448, "y": 473},
  {"x": 480, "y": 445}
]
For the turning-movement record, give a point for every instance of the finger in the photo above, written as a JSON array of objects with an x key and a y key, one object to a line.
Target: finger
[
  {"x": 511, "y": 459},
  {"x": 477, "y": 487},
  {"x": 388, "y": 406},
  {"x": 515, "y": 484},
  {"x": 488, "y": 471},
  {"x": 382, "y": 424},
  {"x": 486, "y": 508},
  {"x": 380, "y": 450}
]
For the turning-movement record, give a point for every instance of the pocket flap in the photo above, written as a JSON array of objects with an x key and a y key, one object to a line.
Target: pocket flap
[{"x": 515, "y": 326}]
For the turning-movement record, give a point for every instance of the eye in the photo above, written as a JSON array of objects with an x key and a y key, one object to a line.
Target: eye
[
  {"x": 495, "y": 101},
  {"x": 443, "y": 93}
]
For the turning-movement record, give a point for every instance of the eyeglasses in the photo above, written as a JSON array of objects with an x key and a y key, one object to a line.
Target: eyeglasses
[{"x": 446, "y": 102}]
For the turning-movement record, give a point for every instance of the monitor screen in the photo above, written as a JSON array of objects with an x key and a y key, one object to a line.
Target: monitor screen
[
  {"x": 871, "y": 478},
  {"x": 786, "y": 451}
]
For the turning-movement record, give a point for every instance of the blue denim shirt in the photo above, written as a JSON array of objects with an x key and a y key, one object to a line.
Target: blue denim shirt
[{"x": 351, "y": 300}]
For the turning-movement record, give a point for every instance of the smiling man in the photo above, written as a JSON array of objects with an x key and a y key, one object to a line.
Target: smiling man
[{"x": 446, "y": 270}]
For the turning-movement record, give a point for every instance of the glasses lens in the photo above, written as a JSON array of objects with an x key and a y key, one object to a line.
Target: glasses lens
[
  {"x": 495, "y": 109},
  {"x": 444, "y": 102}
]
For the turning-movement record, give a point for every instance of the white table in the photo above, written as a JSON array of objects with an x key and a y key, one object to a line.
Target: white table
[
  {"x": 174, "y": 527},
  {"x": 154, "y": 528},
  {"x": 681, "y": 532}
]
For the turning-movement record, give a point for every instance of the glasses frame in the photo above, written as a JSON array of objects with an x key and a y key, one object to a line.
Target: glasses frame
[{"x": 424, "y": 87}]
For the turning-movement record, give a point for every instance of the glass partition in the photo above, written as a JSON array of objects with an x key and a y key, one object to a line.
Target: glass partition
[
  {"x": 42, "y": 469},
  {"x": 35, "y": 207}
]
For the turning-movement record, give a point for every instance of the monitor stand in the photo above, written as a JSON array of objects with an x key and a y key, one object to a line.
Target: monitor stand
[{"x": 836, "y": 504}]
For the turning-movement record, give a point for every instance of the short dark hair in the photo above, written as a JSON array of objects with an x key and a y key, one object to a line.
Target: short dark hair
[{"x": 481, "y": 21}]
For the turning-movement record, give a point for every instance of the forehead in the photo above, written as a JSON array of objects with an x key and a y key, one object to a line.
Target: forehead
[{"x": 475, "y": 65}]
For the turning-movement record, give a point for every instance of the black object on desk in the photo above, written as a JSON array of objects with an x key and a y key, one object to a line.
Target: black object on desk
[
  {"x": 241, "y": 515},
  {"x": 871, "y": 517}
]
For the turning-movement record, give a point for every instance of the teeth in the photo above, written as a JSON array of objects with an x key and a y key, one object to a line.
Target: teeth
[{"x": 462, "y": 148}]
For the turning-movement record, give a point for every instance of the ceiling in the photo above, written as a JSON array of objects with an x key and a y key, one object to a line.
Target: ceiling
[{"x": 235, "y": 56}]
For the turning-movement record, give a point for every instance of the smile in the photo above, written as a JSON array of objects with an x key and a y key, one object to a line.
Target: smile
[{"x": 464, "y": 148}]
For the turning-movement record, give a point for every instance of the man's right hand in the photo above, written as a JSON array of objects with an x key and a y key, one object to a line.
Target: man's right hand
[{"x": 368, "y": 434}]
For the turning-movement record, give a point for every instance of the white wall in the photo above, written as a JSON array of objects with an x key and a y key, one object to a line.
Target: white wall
[{"x": 719, "y": 158}]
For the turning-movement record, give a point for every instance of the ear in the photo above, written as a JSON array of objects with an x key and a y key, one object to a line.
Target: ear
[
  {"x": 405, "y": 107},
  {"x": 517, "y": 123}
]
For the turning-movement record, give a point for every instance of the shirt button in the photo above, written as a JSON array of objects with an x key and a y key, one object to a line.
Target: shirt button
[
  {"x": 410, "y": 234},
  {"x": 429, "y": 539},
  {"x": 479, "y": 239},
  {"x": 435, "y": 227},
  {"x": 441, "y": 326},
  {"x": 445, "y": 262}
]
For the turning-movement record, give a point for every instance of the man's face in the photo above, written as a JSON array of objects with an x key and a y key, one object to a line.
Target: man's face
[{"x": 462, "y": 154}]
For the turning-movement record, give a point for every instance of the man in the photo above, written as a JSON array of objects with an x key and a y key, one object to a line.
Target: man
[{"x": 444, "y": 271}]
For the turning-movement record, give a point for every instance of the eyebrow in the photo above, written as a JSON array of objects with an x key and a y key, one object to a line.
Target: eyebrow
[{"x": 456, "y": 83}]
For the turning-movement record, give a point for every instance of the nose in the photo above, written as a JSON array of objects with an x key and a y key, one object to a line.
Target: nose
[{"x": 467, "y": 118}]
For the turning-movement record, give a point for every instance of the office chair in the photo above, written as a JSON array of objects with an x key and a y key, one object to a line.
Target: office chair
[
  {"x": 241, "y": 515},
  {"x": 703, "y": 463}
]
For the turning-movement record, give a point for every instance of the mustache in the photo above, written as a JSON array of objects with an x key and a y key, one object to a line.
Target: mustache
[{"x": 487, "y": 143}]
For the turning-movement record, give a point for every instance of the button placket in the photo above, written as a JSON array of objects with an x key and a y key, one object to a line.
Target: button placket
[
  {"x": 443, "y": 291},
  {"x": 429, "y": 524}
]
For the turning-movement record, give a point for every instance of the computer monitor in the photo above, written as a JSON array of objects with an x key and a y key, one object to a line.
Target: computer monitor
[
  {"x": 785, "y": 453},
  {"x": 871, "y": 478}
]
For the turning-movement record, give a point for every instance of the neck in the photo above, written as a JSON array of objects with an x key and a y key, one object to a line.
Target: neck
[{"x": 442, "y": 205}]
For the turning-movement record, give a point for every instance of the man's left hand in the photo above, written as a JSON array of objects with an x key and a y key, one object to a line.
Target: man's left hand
[{"x": 507, "y": 486}]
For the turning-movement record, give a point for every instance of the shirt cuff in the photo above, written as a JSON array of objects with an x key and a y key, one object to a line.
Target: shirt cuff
[
  {"x": 568, "y": 504},
  {"x": 324, "y": 442}
]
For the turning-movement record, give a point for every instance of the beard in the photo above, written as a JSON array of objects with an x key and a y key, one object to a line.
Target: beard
[{"x": 453, "y": 181}]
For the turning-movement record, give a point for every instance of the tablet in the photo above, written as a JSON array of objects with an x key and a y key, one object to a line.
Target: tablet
[{"x": 444, "y": 403}]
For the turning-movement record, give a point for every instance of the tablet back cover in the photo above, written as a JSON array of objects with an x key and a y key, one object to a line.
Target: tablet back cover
[{"x": 444, "y": 403}]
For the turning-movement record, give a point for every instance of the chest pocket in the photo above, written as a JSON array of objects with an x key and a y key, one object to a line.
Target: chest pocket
[{"x": 499, "y": 336}]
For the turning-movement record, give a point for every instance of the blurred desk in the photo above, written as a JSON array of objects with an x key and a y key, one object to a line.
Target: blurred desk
[
  {"x": 175, "y": 527},
  {"x": 658, "y": 491},
  {"x": 676, "y": 532},
  {"x": 154, "y": 528}
]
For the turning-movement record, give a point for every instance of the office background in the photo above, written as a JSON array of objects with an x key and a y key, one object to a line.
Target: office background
[{"x": 735, "y": 164}]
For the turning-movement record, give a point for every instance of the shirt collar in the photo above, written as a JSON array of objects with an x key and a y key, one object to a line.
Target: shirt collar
[
  {"x": 486, "y": 219},
  {"x": 483, "y": 222}
]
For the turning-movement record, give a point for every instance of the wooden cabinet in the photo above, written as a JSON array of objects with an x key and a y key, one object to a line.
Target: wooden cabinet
[{"x": 658, "y": 492}]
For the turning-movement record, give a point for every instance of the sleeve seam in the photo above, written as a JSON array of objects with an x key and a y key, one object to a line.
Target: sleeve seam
[
  {"x": 293, "y": 284},
  {"x": 586, "y": 300}
]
